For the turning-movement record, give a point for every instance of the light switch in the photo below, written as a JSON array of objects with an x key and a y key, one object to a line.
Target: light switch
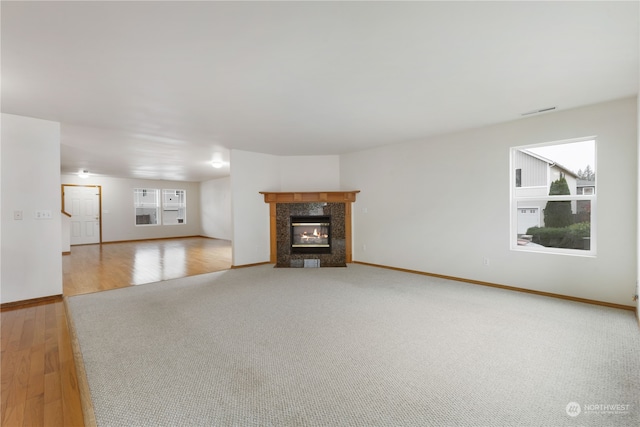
[
  {"x": 42, "y": 214},
  {"x": 17, "y": 215}
]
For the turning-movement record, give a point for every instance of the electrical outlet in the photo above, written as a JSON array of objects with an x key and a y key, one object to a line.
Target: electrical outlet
[
  {"x": 364, "y": 247},
  {"x": 485, "y": 262}
]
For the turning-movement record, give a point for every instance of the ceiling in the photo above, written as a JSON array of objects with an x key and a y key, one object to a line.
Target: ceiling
[{"x": 156, "y": 89}]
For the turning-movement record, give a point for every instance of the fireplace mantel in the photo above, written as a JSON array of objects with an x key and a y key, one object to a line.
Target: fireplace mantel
[
  {"x": 274, "y": 198},
  {"x": 310, "y": 196}
]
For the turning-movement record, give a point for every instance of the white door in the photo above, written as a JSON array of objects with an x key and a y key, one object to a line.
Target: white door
[
  {"x": 528, "y": 217},
  {"x": 83, "y": 203}
]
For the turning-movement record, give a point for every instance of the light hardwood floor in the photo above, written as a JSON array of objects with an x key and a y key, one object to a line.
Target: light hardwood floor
[
  {"x": 39, "y": 380},
  {"x": 92, "y": 268}
]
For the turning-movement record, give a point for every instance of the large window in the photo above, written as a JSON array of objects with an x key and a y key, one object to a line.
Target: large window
[
  {"x": 553, "y": 197},
  {"x": 174, "y": 207},
  {"x": 147, "y": 205}
]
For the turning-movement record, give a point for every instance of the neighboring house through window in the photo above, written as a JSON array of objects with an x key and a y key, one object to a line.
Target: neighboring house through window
[
  {"x": 552, "y": 199},
  {"x": 147, "y": 206},
  {"x": 174, "y": 207}
]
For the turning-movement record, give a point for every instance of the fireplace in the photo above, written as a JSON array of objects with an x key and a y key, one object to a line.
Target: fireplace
[
  {"x": 333, "y": 208},
  {"x": 310, "y": 234}
]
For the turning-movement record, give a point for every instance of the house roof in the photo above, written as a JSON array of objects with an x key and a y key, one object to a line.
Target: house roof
[{"x": 550, "y": 162}]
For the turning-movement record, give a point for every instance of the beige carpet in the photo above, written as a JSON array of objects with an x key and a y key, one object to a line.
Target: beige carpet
[{"x": 355, "y": 346}]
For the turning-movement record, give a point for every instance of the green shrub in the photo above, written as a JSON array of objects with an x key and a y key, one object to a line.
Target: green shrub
[
  {"x": 580, "y": 229},
  {"x": 557, "y": 214},
  {"x": 571, "y": 237}
]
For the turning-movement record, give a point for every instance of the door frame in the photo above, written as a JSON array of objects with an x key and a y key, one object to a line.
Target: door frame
[{"x": 99, "y": 187}]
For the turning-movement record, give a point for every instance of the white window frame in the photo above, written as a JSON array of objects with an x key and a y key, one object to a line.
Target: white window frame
[
  {"x": 182, "y": 205},
  {"x": 514, "y": 199},
  {"x": 137, "y": 204}
]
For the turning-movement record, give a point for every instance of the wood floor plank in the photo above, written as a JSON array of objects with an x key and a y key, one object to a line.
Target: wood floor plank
[
  {"x": 23, "y": 364},
  {"x": 4, "y": 396},
  {"x": 53, "y": 413},
  {"x": 34, "y": 411},
  {"x": 35, "y": 386},
  {"x": 16, "y": 397},
  {"x": 8, "y": 369},
  {"x": 28, "y": 332},
  {"x": 51, "y": 357},
  {"x": 13, "y": 415},
  {"x": 8, "y": 320},
  {"x": 52, "y": 388},
  {"x": 16, "y": 331},
  {"x": 8, "y": 365},
  {"x": 49, "y": 317},
  {"x": 39, "y": 330}
]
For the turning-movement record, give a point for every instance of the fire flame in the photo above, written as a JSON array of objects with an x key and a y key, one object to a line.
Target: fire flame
[{"x": 316, "y": 235}]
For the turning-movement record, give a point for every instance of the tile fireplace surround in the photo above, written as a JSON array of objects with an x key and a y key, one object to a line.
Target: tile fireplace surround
[{"x": 282, "y": 206}]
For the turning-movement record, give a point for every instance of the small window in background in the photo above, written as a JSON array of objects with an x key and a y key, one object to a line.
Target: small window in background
[
  {"x": 174, "y": 207},
  {"x": 553, "y": 197},
  {"x": 147, "y": 205}
]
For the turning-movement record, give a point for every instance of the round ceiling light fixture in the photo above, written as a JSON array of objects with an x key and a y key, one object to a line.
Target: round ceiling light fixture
[{"x": 217, "y": 161}]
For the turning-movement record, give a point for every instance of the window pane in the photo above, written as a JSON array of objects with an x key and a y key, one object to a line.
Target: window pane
[
  {"x": 574, "y": 234},
  {"x": 147, "y": 205},
  {"x": 553, "y": 195},
  {"x": 554, "y": 224},
  {"x": 174, "y": 207}
]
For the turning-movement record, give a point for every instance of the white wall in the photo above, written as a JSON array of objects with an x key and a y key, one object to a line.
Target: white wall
[
  {"x": 31, "y": 256},
  {"x": 309, "y": 173},
  {"x": 250, "y": 174},
  {"x": 118, "y": 212},
  {"x": 215, "y": 205},
  {"x": 442, "y": 205}
]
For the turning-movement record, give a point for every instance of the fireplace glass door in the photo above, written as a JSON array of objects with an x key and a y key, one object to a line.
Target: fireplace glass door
[{"x": 310, "y": 234}]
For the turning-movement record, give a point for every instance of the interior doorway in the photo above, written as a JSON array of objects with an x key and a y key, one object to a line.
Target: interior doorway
[{"x": 84, "y": 204}]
